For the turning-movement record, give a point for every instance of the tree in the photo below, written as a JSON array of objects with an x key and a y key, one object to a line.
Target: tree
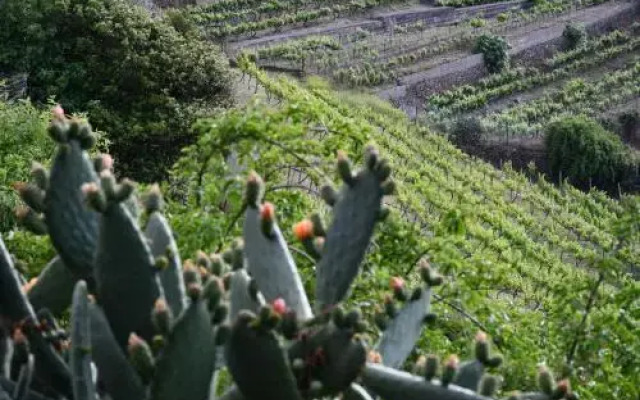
[
  {"x": 467, "y": 131},
  {"x": 494, "y": 50},
  {"x": 575, "y": 35},
  {"x": 138, "y": 78},
  {"x": 583, "y": 151}
]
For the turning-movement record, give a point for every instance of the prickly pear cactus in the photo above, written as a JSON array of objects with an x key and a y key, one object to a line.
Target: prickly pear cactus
[
  {"x": 55, "y": 203},
  {"x": 356, "y": 209},
  {"x": 163, "y": 244},
  {"x": 270, "y": 262},
  {"x": 402, "y": 329},
  {"x": 146, "y": 326},
  {"x": 125, "y": 270}
]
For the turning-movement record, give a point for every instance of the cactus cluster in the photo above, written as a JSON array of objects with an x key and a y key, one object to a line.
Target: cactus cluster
[{"x": 147, "y": 325}]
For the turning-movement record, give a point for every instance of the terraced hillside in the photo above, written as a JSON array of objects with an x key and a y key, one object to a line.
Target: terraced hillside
[
  {"x": 600, "y": 76},
  {"x": 530, "y": 256},
  {"x": 530, "y": 260}
]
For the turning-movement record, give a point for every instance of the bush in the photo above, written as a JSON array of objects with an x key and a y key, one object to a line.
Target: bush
[
  {"x": 584, "y": 152},
  {"x": 575, "y": 35},
  {"x": 494, "y": 50},
  {"x": 467, "y": 131},
  {"x": 24, "y": 138},
  {"x": 138, "y": 78},
  {"x": 477, "y": 22}
]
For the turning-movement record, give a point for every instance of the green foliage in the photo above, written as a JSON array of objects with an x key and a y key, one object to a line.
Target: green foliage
[
  {"x": 137, "y": 77},
  {"x": 467, "y": 131},
  {"x": 582, "y": 151},
  {"x": 502, "y": 17},
  {"x": 575, "y": 35},
  {"x": 24, "y": 138},
  {"x": 494, "y": 50},
  {"x": 477, "y": 22}
]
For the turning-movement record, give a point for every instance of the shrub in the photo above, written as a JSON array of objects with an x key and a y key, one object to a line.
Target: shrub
[
  {"x": 467, "y": 131},
  {"x": 23, "y": 138},
  {"x": 494, "y": 50},
  {"x": 477, "y": 22},
  {"x": 502, "y": 17},
  {"x": 138, "y": 78},
  {"x": 575, "y": 35},
  {"x": 584, "y": 152}
]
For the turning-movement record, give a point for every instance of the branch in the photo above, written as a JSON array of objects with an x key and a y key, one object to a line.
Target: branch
[
  {"x": 468, "y": 316},
  {"x": 579, "y": 331}
]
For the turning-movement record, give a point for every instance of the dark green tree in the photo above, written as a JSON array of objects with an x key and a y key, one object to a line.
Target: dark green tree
[
  {"x": 139, "y": 79},
  {"x": 581, "y": 150},
  {"x": 575, "y": 35},
  {"x": 494, "y": 50}
]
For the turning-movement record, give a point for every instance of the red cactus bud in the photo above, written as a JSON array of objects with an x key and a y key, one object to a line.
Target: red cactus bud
[
  {"x": 279, "y": 306},
  {"x": 188, "y": 265},
  {"x": 396, "y": 283},
  {"x": 107, "y": 161},
  {"x": 452, "y": 361},
  {"x": 19, "y": 337},
  {"x": 57, "y": 112},
  {"x": 374, "y": 357},
  {"x": 481, "y": 336},
  {"x": 160, "y": 305},
  {"x": 89, "y": 188},
  {"x": 194, "y": 290},
  {"x": 303, "y": 230},
  {"x": 267, "y": 211},
  {"x": 29, "y": 285},
  {"x": 564, "y": 386},
  {"x": 135, "y": 341}
]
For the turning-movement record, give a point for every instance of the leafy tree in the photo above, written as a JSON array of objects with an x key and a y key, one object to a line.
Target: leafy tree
[
  {"x": 467, "y": 131},
  {"x": 575, "y": 35},
  {"x": 137, "y": 77},
  {"x": 494, "y": 50},
  {"x": 583, "y": 151}
]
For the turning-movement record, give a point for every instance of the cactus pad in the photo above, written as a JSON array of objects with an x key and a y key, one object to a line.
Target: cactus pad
[{"x": 355, "y": 213}]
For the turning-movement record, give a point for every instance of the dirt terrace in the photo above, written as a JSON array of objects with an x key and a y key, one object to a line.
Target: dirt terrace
[{"x": 530, "y": 44}]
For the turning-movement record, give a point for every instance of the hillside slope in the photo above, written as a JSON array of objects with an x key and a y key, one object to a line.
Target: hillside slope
[{"x": 531, "y": 258}]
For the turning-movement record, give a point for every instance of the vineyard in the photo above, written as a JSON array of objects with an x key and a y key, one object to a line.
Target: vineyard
[
  {"x": 530, "y": 255},
  {"x": 533, "y": 261}
]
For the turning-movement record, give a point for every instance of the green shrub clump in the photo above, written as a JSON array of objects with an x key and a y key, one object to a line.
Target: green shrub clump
[
  {"x": 23, "y": 138},
  {"x": 138, "y": 78},
  {"x": 494, "y": 50},
  {"x": 467, "y": 131},
  {"x": 581, "y": 150},
  {"x": 575, "y": 35}
]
